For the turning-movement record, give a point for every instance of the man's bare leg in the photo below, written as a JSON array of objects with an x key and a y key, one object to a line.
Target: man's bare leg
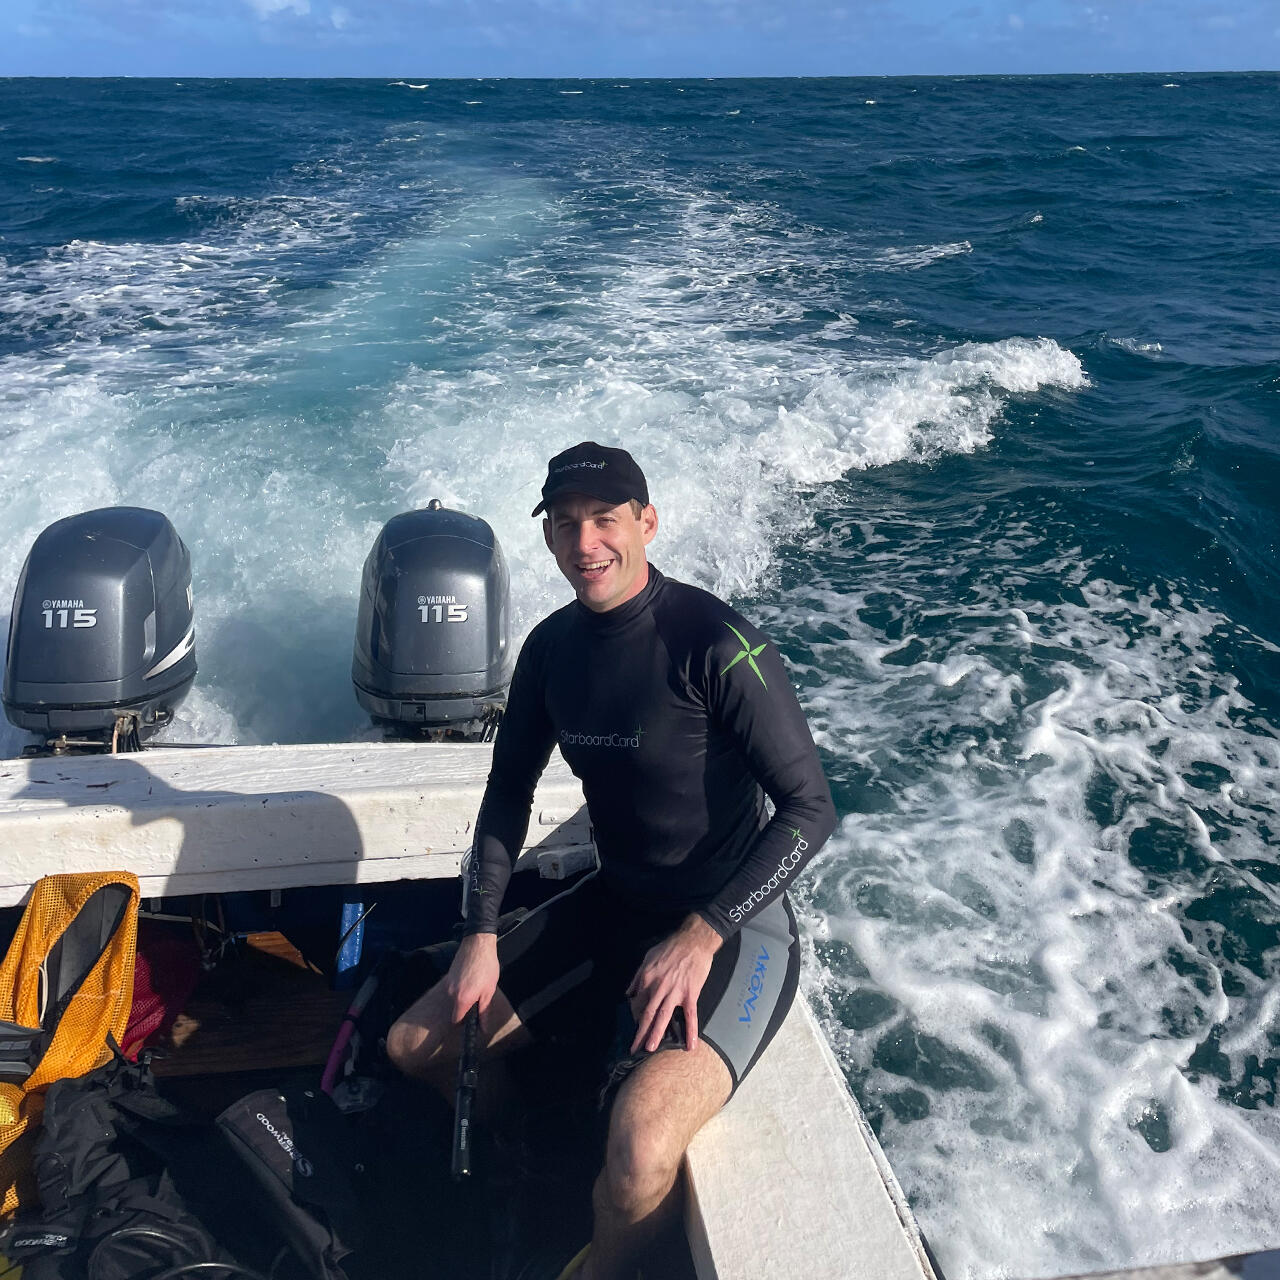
[
  {"x": 659, "y": 1108},
  {"x": 426, "y": 1043}
]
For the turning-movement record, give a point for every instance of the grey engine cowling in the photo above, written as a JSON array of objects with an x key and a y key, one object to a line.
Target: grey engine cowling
[
  {"x": 432, "y": 647},
  {"x": 102, "y": 625}
]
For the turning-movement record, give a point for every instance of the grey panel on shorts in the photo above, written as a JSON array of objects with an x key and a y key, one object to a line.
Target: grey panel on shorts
[{"x": 759, "y": 990}]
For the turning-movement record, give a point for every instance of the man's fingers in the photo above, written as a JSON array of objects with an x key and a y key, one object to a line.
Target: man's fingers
[
  {"x": 691, "y": 1025},
  {"x": 466, "y": 998},
  {"x": 643, "y": 1022},
  {"x": 663, "y": 1016},
  {"x": 647, "y": 1020}
]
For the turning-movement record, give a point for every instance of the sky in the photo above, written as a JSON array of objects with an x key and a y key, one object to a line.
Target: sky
[{"x": 571, "y": 38}]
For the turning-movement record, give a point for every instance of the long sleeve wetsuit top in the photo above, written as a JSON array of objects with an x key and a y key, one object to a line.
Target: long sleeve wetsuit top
[{"x": 677, "y": 716}]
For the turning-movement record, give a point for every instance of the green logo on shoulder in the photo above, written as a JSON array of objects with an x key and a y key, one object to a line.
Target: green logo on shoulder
[{"x": 747, "y": 652}]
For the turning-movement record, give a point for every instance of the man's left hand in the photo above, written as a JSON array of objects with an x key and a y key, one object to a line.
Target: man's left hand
[{"x": 670, "y": 978}]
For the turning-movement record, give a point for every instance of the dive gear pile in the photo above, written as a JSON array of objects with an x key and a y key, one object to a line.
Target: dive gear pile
[
  {"x": 66, "y": 988},
  {"x": 133, "y": 1187}
]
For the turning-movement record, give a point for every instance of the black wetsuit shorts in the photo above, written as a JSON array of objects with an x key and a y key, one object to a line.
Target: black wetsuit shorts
[{"x": 569, "y": 962}]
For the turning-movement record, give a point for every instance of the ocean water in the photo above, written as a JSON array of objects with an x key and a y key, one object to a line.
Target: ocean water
[{"x": 967, "y": 390}]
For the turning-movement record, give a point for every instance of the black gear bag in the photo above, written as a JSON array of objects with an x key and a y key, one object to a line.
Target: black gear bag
[
  {"x": 110, "y": 1207},
  {"x": 133, "y": 1187},
  {"x": 298, "y": 1148}
]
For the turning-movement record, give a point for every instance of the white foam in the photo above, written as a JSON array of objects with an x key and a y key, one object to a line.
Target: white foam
[
  {"x": 38, "y": 159},
  {"x": 995, "y": 907},
  {"x": 665, "y": 348},
  {"x": 921, "y": 255},
  {"x": 721, "y": 424},
  {"x": 887, "y": 411},
  {"x": 1136, "y": 347},
  {"x": 274, "y": 548},
  {"x": 120, "y": 306}
]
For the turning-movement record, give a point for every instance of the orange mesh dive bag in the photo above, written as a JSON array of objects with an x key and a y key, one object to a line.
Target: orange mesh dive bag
[{"x": 66, "y": 985}]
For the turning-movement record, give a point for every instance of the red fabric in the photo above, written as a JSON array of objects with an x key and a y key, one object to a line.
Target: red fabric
[{"x": 164, "y": 976}]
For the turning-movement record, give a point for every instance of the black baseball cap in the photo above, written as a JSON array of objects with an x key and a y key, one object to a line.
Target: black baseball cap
[{"x": 597, "y": 471}]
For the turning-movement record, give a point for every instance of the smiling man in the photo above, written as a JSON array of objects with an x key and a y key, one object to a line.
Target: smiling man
[{"x": 679, "y": 718}]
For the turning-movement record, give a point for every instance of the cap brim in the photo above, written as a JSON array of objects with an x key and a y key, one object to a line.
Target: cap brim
[{"x": 602, "y": 493}]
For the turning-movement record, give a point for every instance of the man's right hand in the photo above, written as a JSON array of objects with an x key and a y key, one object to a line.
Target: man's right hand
[{"x": 473, "y": 975}]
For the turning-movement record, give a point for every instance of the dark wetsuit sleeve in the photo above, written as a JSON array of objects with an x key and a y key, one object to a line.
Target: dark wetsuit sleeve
[
  {"x": 750, "y": 697},
  {"x": 520, "y": 754}
]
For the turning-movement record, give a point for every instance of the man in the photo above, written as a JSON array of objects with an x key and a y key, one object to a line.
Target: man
[{"x": 675, "y": 713}]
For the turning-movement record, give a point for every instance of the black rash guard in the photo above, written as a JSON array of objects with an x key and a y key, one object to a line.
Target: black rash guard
[{"x": 674, "y": 712}]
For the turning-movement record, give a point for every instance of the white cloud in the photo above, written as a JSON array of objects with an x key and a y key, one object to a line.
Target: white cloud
[
  {"x": 340, "y": 17},
  {"x": 1016, "y": 21},
  {"x": 269, "y": 8}
]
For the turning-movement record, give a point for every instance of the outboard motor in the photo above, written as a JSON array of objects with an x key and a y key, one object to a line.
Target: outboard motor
[
  {"x": 102, "y": 639},
  {"x": 432, "y": 650}
]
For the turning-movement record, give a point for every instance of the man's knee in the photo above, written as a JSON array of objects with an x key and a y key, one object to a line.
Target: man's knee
[
  {"x": 641, "y": 1165},
  {"x": 418, "y": 1038},
  {"x": 424, "y": 1040},
  {"x": 666, "y": 1100},
  {"x": 405, "y": 1041}
]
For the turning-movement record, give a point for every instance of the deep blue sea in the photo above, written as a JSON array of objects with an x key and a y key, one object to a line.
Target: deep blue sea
[{"x": 967, "y": 390}]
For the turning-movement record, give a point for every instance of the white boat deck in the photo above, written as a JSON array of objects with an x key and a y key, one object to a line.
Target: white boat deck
[
  {"x": 207, "y": 820},
  {"x": 787, "y": 1181}
]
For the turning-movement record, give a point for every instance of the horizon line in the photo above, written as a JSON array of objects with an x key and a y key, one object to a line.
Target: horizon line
[{"x": 618, "y": 75}]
